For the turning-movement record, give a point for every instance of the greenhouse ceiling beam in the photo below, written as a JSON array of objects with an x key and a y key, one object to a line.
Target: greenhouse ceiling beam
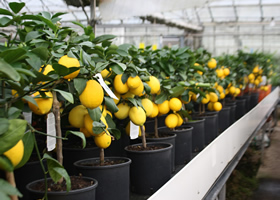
[
  {"x": 261, "y": 9},
  {"x": 235, "y": 10}
]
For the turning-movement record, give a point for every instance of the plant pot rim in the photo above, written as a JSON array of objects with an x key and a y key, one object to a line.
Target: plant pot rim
[
  {"x": 63, "y": 193},
  {"x": 200, "y": 119},
  {"x": 78, "y": 163},
  {"x": 167, "y": 147}
]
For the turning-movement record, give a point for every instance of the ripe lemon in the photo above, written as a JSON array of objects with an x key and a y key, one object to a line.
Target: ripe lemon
[
  {"x": 163, "y": 108},
  {"x": 175, "y": 104},
  {"x": 103, "y": 141},
  {"x": 15, "y": 153},
  {"x": 210, "y": 106},
  {"x": 133, "y": 82},
  {"x": 212, "y": 63},
  {"x": 137, "y": 115},
  {"x": 180, "y": 119},
  {"x": 93, "y": 95},
  {"x": 171, "y": 120},
  {"x": 118, "y": 96},
  {"x": 88, "y": 124},
  {"x": 257, "y": 82},
  {"x": 213, "y": 97},
  {"x": 256, "y": 69},
  {"x": 260, "y": 71},
  {"x": 123, "y": 111},
  {"x": 44, "y": 104},
  {"x": 206, "y": 99},
  {"x": 220, "y": 89},
  {"x": 199, "y": 72},
  {"x": 109, "y": 113},
  {"x": 70, "y": 62},
  {"x": 105, "y": 73},
  {"x": 76, "y": 116},
  {"x": 226, "y": 71},
  {"x": 219, "y": 73},
  {"x": 155, "y": 111},
  {"x": 47, "y": 69},
  {"x": 232, "y": 90},
  {"x": 139, "y": 90},
  {"x": 154, "y": 84},
  {"x": 251, "y": 76},
  {"x": 85, "y": 132},
  {"x": 119, "y": 86},
  {"x": 148, "y": 106},
  {"x": 222, "y": 95},
  {"x": 237, "y": 91},
  {"x": 127, "y": 129},
  {"x": 103, "y": 110},
  {"x": 217, "y": 106},
  {"x": 128, "y": 95},
  {"x": 193, "y": 96}
]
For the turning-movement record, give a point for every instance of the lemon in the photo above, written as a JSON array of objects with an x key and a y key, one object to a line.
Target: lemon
[
  {"x": 123, "y": 111},
  {"x": 128, "y": 95},
  {"x": 220, "y": 89},
  {"x": 256, "y": 69},
  {"x": 171, "y": 120},
  {"x": 127, "y": 129},
  {"x": 251, "y": 76},
  {"x": 237, "y": 91},
  {"x": 199, "y": 72},
  {"x": 226, "y": 71},
  {"x": 15, "y": 153},
  {"x": 44, "y": 104},
  {"x": 163, "y": 108},
  {"x": 206, "y": 99},
  {"x": 103, "y": 110},
  {"x": 70, "y": 62},
  {"x": 257, "y": 82},
  {"x": 93, "y": 95},
  {"x": 47, "y": 69},
  {"x": 118, "y": 96},
  {"x": 212, "y": 63},
  {"x": 217, "y": 106},
  {"x": 103, "y": 141},
  {"x": 148, "y": 106},
  {"x": 213, "y": 97},
  {"x": 210, "y": 106},
  {"x": 137, "y": 115},
  {"x": 154, "y": 84},
  {"x": 88, "y": 124},
  {"x": 175, "y": 104},
  {"x": 155, "y": 111},
  {"x": 193, "y": 96},
  {"x": 85, "y": 132},
  {"x": 232, "y": 90},
  {"x": 109, "y": 113},
  {"x": 219, "y": 73},
  {"x": 105, "y": 73},
  {"x": 119, "y": 86},
  {"x": 222, "y": 95},
  {"x": 133, "y": 82},
  {"x": 76, "y": 116},
  {"x": 138, "y": 91},
  {"x": 180, "y": 120}
]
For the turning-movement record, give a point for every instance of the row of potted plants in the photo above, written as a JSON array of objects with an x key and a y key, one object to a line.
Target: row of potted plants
[{"x": 84, "y": 91}]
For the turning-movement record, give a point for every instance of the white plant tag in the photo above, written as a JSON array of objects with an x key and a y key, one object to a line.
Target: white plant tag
[
  {"x": 28, "y": 117},
  {"x": 134, "y": 131},
  {"x": 51, "y": 141},
  {"x": 105, "y": 86},
  {"x": 197, "y": 95}
]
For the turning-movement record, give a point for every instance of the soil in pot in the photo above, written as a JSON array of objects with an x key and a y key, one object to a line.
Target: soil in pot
[
  {"x": 112, "y": 176},
  {"x": 151, "y": 168},
  {"x": 81, "y": 188}
]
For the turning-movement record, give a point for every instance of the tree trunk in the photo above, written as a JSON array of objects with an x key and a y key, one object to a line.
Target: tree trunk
[
  {"x": 102, "y": 156},
  {"x": 156, "y": 127},
  {"x": 11, "y": 179},
  {"x": 143, "y": 136}
]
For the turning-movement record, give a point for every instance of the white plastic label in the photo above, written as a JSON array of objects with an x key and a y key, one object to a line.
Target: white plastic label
[
  {"x": 105, "y": 86},
  {"x": 134, "y": 131},
  {"x": 51, "y": 141},
  {"x": 28, "y": 117},
  {"x": 197, "y": 95}
]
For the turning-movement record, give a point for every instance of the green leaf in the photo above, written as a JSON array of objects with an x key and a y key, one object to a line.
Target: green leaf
[
  {"x": 12, "y": 55},
  {"x": 32, "y": 35},
  {"x": 176, "y": 91},
  {"x": 41, "y": 52},
  {"x": 41, "y": 77},
  {"x": 4, "y": 125},
  {"x": 62, "y": 70},
  {"x": 16, "y": 7},
  {"x": 46, "y": 15},
  {"x": 62, "y": 172},
  {"x": 30, "y": 99},
  {"x": 14, "y": 133},
  {"x": 102, "y": 38},
  {"x": 6, "y": 189},
  {"x": 133, "y": 101},
  {"x": 80, "y": 84},
  {"x": 161, "y": 98},
  {"x": 109, "y": 102},
  {"x": 78, "y": 24},
  {"x": 116, "y": 68},
  {"x": 4, "y": 21},
  {"x": 121, "y": 52},
  {"x": 98, "y": 127},
  {"x": 123, "y": 66},
  {"x": 28, "y": 142},
  {"x": 95, "y": 114},
  {"x": 26, "y": 72},
  {"x": 79, "y": 134},
  {"x": 48, "y": 22},
  {"x": 34, "y": 61},
  {"x": 5, "y": 12},
  {"x": 115, "y": 132},
  {"x": 6, "y": 164},
  {"x": 68, "y": 96},
  {"x": 14, "y": 113},
  {"x": 110, "y": 121}
]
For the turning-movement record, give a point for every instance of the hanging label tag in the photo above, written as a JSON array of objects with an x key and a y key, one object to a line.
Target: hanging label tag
[
  {"x": 51, "y": 141},
  {"x": 134, "y": 131},
  {"x": 197, "y": 95},
  {"x": 105, "y": 86},
  {"x": 28, "y": 117}
]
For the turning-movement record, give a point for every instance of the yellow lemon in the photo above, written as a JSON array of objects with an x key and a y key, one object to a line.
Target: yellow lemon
[
  {"x": 163, "y": 108},
  {"x": 256, "y": 69},
  {"x": 257, "y": 82},
  {"x": 76, "y": 116},
  {"x": 47, "y": 69},
  {"x": 217, "y": 106},
  {"x": 88, "y": 124},
  {"x": 213, "y": 97},
  {"x": 175, "y": 104},
  {"x": 232, "y": 90},
  {"x": 70, "y": 62},
  {"x": 123, "y": 111},
  {"x": 180, "y": 119},
  {"x": 127, "y": 95},
  {"x": 171, "y": 120},
  {"x": 119, "y": 86},
  {"x": 118, "y": 96},
  {"x": 154, "y": 84},
  {"x": 206, "y": 99},
  {"x": 237, "y": 91},
  {"x": 103, "y": 110},
  {"x": 105, "y": 73},
  {"x": 139, "y": 90},
  {"x": 148, "y": 106},
  {"x": 220, "y": 89},
  {"x": 137, "y": 115},
  {"x": 251, "y": 77},
  {"x": 222, "y": 95},
  {"x": 212, "y": 63},
  {"x": 93, "y": 95},
  {"x": 103, "y": 141},
  {"x": 85, "y": 132},
  {"x": 210, "y": 106},
  {"x": 219, "y": 73},
  {"x": 44, "y": 104},
  {"x": 133, "y": 82},
  {"x": 15, "y": 153},
  {"x": 155, "y": 111},
  {"x": 226, "y": 71}
]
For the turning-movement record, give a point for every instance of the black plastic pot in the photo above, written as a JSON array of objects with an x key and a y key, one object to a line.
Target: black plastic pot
[
  {"x": 240, "y": 108},
  {"x": 113, "y": 180},
  {"x": 72, "y": 155},
  {"x": 87, "y": 193},
  {"x": 232, "y": 106},
  {"x": 170, "y": 138},
  {"x": 247, "y": 103},
  {"x": 198, "y": 140},
  {"x": 254, "y": 99},
  {"x": 150, "y": 169},
  {"x": 224, "y": 119}
]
